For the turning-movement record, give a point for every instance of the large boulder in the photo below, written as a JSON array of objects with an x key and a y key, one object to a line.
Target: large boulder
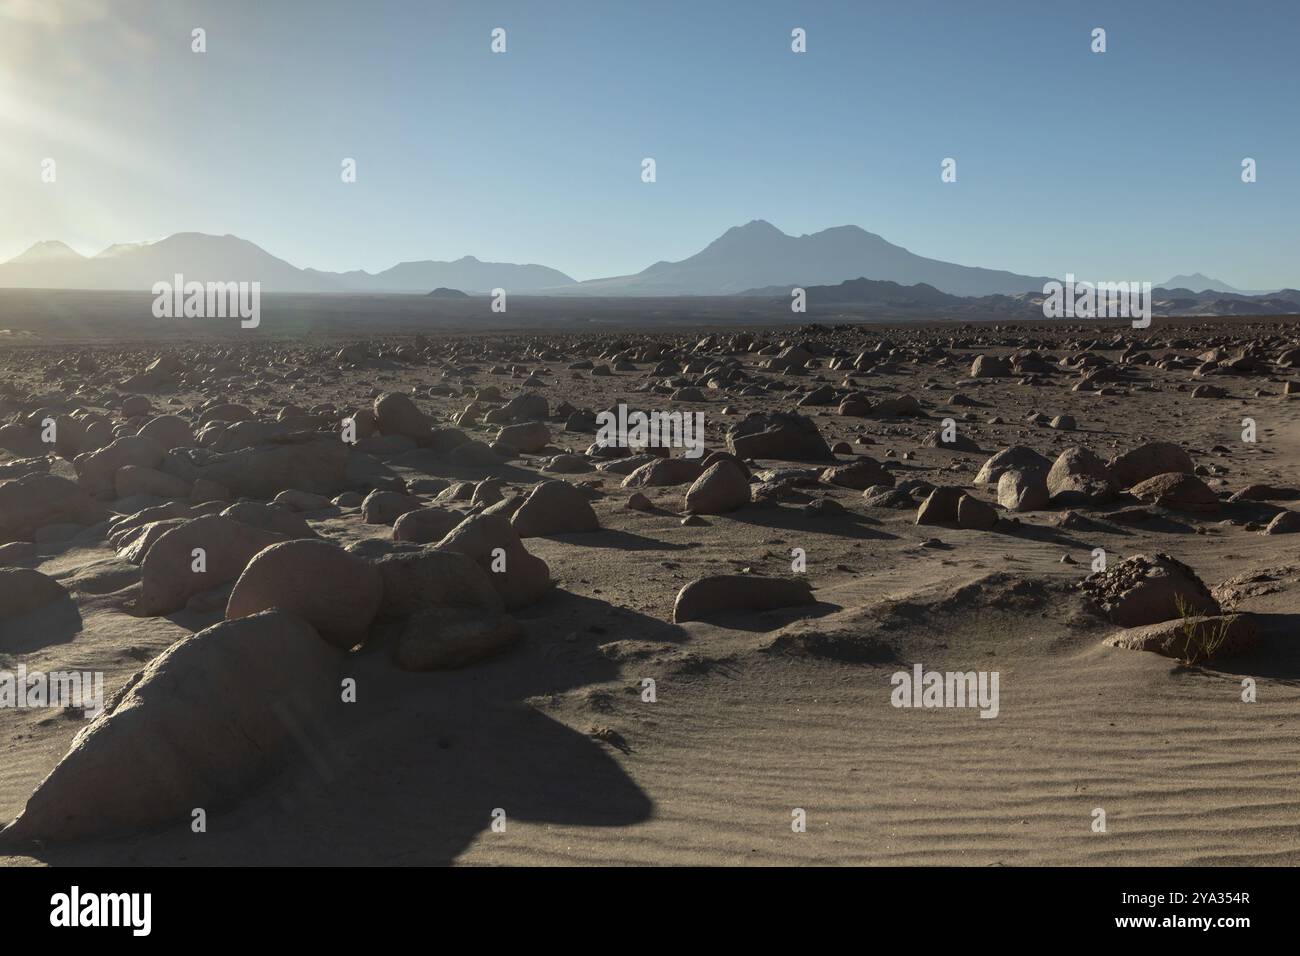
[
  {"x": 1015, "y": 458},
  {"x": 132, "y": 480},
  {"x": 1147, "y": 590},
  {"x": 785, "y": 436},
  {"x": 226, "y": 412},
  {"x": 1078, "y": 477},
  {"x": 662, "y": 472},
  {"x": 526, "y": 437},
  {"x": 37, "y": 500},
  {"x": 739, "y": 592},
  {"x": 527, "y": 407},
  {"x": 336, "y": 592},
  {"x": 858, "y": 475},
  {"x": 1195, "y": 639},
  {"x": 491, "y": 540},
  {"x": 396, "y": 414},
  {"x": 319, "y": 466},
  {"x": 1022, "y": 490},
  {"x": 723, "y": 487},
  {"x": 270, "y": 518},
  {"x": 425, "y": 578},
  {"x": 97, "y": 470},
  {"x": 385, "y": 507},
  {"x": 426, "y": 525},
  {"x": 207, "y": 721},
  {"x": 1177, "y": 492},
  {"x": 167, "y": 574},
  {"x": 445, "y": 638},
  {"x": 940, "y": 506},
  {"x": 989, "y": 366},
  {"x": 169, "y": 431},
  {"x": 975, "y": 515},
  {"x": 554, "y": 507},
  {"x": 1147, "y": 461},
  {"x": 23, "y": 590},
  {"x": 1284, "y": 522}
]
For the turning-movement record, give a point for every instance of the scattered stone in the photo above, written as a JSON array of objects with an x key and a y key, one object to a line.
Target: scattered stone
[
  {"x": 334, "y": 591},
  {"x": 738, "y": 592}
]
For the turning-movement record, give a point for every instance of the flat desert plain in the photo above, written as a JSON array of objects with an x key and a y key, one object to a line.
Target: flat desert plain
[{"x": 368, "y": 598}]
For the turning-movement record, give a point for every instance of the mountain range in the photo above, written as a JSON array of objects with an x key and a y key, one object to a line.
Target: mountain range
[
  {"x": 883, "y": 299},
  {"x": 742, "y": 261}
]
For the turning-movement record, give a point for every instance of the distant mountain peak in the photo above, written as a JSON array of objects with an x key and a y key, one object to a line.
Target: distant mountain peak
[
  {"x": 48, "y": 250},
  {"x": 758, "y": 254},
  {"x": 1197, "y": 282}
]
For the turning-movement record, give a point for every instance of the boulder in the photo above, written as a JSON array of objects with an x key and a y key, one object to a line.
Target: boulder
[
  {"x": 426, "y": 578},
  {"x": 1148, "y": 590},
  {"x": 1284, "y": 522},
  {"x": 554, "y": 507},
  {"x": 859, "y": 474},
  {"x": 739, "y": 592},
  {"x": 883, "y": 496},
  {"x": 97, "y": 470},
  {"x": 296, "y": 500},
  {"x": 317, "y": 465},
  {"x": 988, "y": 366},
  {"x": 940, "y": 506},
  {"x": 475, "y": 454},
  {"x": 975, "y": 515},
  {"x": 37, "y": 500},
  {"x": 336, "y": 592},
  {"x": 1196, "y": 639},
  {"x": 722, "y": 487},
  {"x": 491, "y": 540},
  {"x": 1018, "y": 458},
  {"x": 785, "y": 436},
  {"x": 169, "y": 431},
  {"x": 426, "y": 525},
  {"x": 958, "y": 442},
  {"x": 208, "y": 720},
  {"x": 23, "y": 590},
  {"x": 1147, "y": 461},
  {"x": 270, "y": 518},
  {"x": 134, "y": 480},
  {"x": 1177, "y": 492},
  {"x": 396, "y": 414},
  {"x": 1078, "y": 477},
  {"x": 446, "y": 638},
  {"x": 662, "y": 472},
  {"x": 527, "y": 437},
  {"x": 1022, "y": 490},
  {"x": 168, "y": 577},
  {"x": 385, "y": 507}
]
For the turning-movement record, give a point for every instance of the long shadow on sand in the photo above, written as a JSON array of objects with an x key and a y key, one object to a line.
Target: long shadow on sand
[
  {"x": 844, "y": 525},
  {"x": 617, "y": 540},
  {"x": 1278, "y": 656},
  {"x": 413, "y": 771}
]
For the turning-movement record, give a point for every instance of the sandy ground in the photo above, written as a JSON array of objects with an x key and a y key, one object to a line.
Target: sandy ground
[{"x": 762, "y": 713}]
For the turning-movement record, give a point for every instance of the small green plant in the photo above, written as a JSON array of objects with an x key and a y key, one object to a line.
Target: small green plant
[{"x": 1201, "y": 639}]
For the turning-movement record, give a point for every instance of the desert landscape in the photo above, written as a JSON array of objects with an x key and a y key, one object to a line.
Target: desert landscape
[
  {"x": 438, "y": 621},
  {"x": 677, "y": 435}
]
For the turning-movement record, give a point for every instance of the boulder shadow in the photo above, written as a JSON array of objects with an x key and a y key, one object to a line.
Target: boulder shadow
[
  {"x": 1277, "y": 658},
  {"x": 846, "y": 524},
  {"x": 413, "y": 771}
]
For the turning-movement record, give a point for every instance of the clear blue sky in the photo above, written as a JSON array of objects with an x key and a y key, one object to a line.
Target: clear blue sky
[{"x": 1117, "y": 165}]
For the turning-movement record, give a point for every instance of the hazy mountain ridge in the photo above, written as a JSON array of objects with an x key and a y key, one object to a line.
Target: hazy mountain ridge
[
  {"x": 924, "y": 301},
  {"x": 753, "y": 260},
  {"x": 201, "y": 257},
  {"x": 758, "y": 254}
]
